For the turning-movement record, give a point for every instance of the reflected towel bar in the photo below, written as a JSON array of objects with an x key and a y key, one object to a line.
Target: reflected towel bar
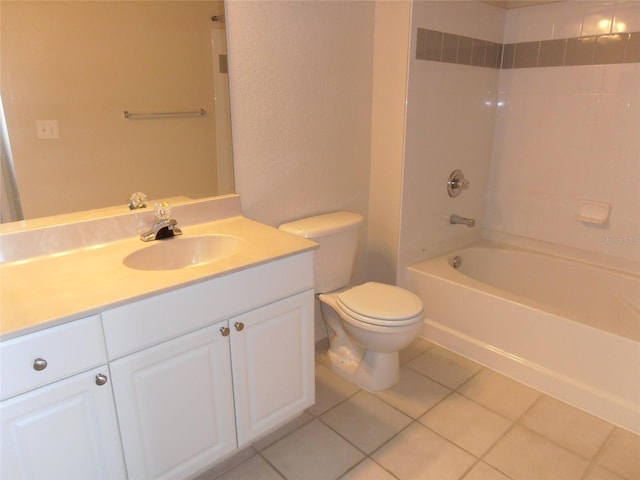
[{"x": 135, "y": 116}]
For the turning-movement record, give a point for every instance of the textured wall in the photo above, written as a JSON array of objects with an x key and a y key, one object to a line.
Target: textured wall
[{"x": 301, "y": 97}]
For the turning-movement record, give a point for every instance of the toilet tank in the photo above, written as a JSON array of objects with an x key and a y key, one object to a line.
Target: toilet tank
[{"x": 338, "y": 234}]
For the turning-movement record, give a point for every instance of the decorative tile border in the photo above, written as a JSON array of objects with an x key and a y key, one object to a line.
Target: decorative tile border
[{"x": 595, "y": 50}]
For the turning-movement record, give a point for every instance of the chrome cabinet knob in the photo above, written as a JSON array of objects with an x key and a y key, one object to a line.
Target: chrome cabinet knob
[
  {"x": 239, "y": 326},
  {"x": 225, "y": 331},
  {"x": 101, "y": 379},
  {"x": 39, "y": 364}
]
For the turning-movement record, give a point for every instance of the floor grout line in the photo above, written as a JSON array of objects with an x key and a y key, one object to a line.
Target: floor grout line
[{"x": 477, "y": 458}]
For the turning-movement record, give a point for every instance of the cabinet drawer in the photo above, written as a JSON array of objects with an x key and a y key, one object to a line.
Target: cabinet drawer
[
  {"x": 61, "y": 351},
  {"x": 153, "y": 320}
]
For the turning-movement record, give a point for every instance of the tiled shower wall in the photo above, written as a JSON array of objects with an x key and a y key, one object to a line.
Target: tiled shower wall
[
  {"x": 548, "y": 129},
  {"x": 569, "y": 133},
  {"x": 619, "y": 47},
  {"x": 449, "y": 125}
]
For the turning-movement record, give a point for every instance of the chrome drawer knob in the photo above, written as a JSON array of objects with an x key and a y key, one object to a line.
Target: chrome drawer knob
[
  {"x": 225, "y": 331},
  {"x": 101, "y": 379},
  {"x": 239, "y": 326},
  {"x": 39, "y": 364}
]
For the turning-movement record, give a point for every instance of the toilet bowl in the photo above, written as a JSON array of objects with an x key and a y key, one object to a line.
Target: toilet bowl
[{"x": 369, "y": 325}]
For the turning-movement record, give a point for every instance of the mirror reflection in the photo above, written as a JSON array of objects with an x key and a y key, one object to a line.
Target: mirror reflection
[{"x": 69, "y": 72}]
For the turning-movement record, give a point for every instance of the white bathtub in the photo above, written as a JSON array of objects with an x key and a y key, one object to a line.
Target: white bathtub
[{"x": 568, "y": 328}]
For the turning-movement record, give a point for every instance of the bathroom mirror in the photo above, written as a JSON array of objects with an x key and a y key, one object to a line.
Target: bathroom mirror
[{"x": 71, "y": 69}]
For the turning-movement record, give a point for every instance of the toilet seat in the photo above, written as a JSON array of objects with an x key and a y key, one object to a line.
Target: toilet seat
[{"x": 380, "y": 304}]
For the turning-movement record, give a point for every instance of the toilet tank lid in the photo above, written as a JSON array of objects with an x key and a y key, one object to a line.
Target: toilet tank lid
[{"x": 321, "y": 225}]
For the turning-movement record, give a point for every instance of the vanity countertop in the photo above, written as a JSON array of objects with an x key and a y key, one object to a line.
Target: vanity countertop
[{"x": 43, "y": 291}]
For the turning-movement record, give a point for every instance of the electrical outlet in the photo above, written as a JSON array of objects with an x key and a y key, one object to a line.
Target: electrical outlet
[{"x": 47, "y": 129}]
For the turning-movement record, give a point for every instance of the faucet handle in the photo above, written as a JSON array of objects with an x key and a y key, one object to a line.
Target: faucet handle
[
  {"x": 162, "y": 210},
  {"x": 456, "y": 183},
  {"x": 137, "y": 200}
]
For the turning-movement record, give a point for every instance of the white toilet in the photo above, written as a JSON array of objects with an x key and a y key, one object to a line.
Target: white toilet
[{"x": 368, "y": 324}]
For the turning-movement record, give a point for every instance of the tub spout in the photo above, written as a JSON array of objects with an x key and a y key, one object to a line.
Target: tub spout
[{"x": 458, "y": 220}]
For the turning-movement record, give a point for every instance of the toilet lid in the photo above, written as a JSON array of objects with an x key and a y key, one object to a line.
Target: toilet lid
[{"x": 380, "y": 304}]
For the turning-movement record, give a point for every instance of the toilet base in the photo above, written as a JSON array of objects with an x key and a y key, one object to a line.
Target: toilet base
[{"x": 374, "y": 372}]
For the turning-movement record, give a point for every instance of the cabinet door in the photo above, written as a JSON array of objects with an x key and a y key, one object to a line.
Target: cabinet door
[
  {"x": 66, "y": 430},
  {"x": 175, "y": 405},
  {"x": 272, "y": 353}
]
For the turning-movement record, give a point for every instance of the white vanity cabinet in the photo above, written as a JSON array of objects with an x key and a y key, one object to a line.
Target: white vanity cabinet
[
  {"x": 57, "y": 423},
  {"x": 273, "y": 364},
  {"x": 175, "y": 405},
  {"x": 203, "y": 370}
]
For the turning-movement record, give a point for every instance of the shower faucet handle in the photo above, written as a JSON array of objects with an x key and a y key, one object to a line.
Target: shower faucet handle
[{"x": 456, "y": 183}]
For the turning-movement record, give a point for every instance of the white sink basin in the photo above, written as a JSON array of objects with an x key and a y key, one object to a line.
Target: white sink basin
[{"x": 183, "y": 252}]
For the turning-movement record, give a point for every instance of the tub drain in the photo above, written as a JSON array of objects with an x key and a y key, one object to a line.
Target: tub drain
[{"x": 455, "y": 262}]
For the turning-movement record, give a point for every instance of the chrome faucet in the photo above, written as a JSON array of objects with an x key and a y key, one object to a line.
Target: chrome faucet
[
  {"x": 458, "y": 220},
  {"x": 164, "y": 227}
]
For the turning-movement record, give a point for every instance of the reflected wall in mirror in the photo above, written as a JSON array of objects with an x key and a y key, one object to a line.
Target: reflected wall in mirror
[{"x": 69, "y": 71}]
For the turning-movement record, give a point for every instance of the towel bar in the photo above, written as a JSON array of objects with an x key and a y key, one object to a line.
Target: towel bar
[{"x": 139, "y": 116}]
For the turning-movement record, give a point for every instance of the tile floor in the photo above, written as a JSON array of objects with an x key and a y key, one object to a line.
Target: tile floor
[{"x": 447, "y": 419}]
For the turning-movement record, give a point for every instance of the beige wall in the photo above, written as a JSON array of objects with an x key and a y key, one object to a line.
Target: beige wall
[{"x": 57, "y": 64}]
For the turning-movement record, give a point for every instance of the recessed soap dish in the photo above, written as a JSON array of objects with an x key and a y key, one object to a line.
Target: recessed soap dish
[{"x": 593, "y": 212}]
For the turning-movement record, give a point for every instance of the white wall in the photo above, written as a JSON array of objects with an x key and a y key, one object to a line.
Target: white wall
[
  {"x": 301, "y": 95},
  {"x": 391, "y": 55},
  {"x": 564, "y": 134},
  {"x": 450, "y": 120}
]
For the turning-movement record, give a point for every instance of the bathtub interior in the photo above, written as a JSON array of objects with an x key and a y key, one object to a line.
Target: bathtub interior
[
  {"x": 603, "y": 298},
  {"x": 530, "y": 340}
]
